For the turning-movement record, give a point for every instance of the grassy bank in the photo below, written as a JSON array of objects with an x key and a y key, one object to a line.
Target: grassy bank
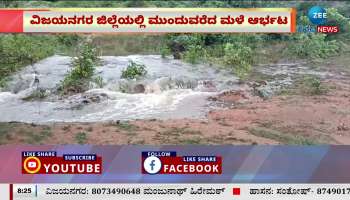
[
  {"x": 239, "y": 52},
  {"x": 123, "y": 45},
  {"x": 19, "y": 50}
]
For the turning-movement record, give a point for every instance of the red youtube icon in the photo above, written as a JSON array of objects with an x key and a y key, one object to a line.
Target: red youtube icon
[{"x": 32, "y": 165}]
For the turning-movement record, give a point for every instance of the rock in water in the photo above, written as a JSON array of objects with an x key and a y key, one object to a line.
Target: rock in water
[
  {"x": 139, "y": 88},
  {"x": 263, "y": 92},
  {"x": 94, "y": 98},
  {"x": 78, "y": 101}
]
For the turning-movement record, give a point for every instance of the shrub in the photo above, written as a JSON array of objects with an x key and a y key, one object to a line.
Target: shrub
[
  {"x": 250, "y": 40},
  {"x": 16, "y": 51},
  {"x": 313, "y": 46},
  {"x": 99, "y": 81},
  {"x": 194, "y": 53},
  {"x": 19, "y": 50},
  {"x": 68, "y": 39},
  {"x": 337, "y": 19},
  {"x": 238, "y": 58},
  {"x": 312, "y": 85},
  {"x": 23, "y": 49},
  {"x": 165, "y": 51},
  {"x": 179, "y": 43},
  {"x": 81, "y": 138},
  {"x": 38, "y": 94},
  {"x": 187, "y": 39},
  {"x": 134, "y": 71},
  {"x": 83, "y": 70}
]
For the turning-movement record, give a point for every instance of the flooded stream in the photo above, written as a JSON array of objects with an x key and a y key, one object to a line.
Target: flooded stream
[{"x": 172, "y": 89}]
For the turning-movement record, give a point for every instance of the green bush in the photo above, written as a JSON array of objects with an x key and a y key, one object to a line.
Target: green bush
[
  {"x": 83, "y": 69},
  {"x": 337, "y": 19},
  {"x": 194, "y": 53},
  {"x": 179, "y": 43},
  {"x": 81, "y": 138},
  {"x": 238, "y": 58},
  {"x": 164, "y": 51},
  {"x": 312, "y": 85},
  {"x": 251, "y": 40},
  {"x": 25, "y": 49},
  {"x": 134, "y": 71},
  {"x": 68, "y": 39},
  {"x": 313, "y": 46},
  {"x": 38, "y": 94},
  {"x": 19, "y": 50},
  {"x": 99, "y": 81},
  {"x": 187, "y": 39}
]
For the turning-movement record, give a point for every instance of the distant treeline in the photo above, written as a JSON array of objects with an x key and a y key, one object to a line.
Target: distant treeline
[{"x": 237, "y": 52}]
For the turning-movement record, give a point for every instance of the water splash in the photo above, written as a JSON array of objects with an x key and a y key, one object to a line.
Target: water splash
[{"x": 171, "y": 89}]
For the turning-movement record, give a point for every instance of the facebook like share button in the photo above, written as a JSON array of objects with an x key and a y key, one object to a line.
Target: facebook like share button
[{"x": 168, "y": 162}]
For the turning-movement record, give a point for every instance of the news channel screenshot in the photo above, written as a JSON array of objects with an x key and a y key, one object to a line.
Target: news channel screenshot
[{"x": 180, "y": 100}]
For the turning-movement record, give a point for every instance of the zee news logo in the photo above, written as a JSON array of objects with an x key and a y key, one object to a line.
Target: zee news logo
[{"x": 318, "y": 16}]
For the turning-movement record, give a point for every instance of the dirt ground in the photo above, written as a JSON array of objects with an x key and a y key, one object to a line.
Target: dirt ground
[{"x": 291, "y": 117}]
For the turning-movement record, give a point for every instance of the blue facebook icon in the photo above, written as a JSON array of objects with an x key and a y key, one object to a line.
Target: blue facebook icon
[{"x": 152, "y": 165}]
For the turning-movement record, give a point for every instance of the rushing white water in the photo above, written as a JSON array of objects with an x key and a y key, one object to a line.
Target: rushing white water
[{"x": 172, "y": 89}]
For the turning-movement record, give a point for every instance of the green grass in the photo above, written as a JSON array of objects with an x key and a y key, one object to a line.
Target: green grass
[
  {"x": 126, "y": 126},
  {"x": 284, "y": 138},
  {"x": 27, "y": 135},
  {"x": 34, "y": 137},
  {"x": 19, "y": 50},
  {"x": 39, "y": 94},
  {"x": 81, "y": 138},
  {"x": 191, "y": 140},
  {"x": 180, "y": 135},
  {"x": 307, "y": 85},
  {"x": 313, "y": 46},
  {"x": 230, "y": 138},
  {"x": 38, "y": 138},
  {"x": 176, "y": 131},
  {"x": 123, "y": 45},
  {"x": 194, "y": 54},
  {"x": 312, "y": 85},
  {"x": 5, "y": 132}
]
